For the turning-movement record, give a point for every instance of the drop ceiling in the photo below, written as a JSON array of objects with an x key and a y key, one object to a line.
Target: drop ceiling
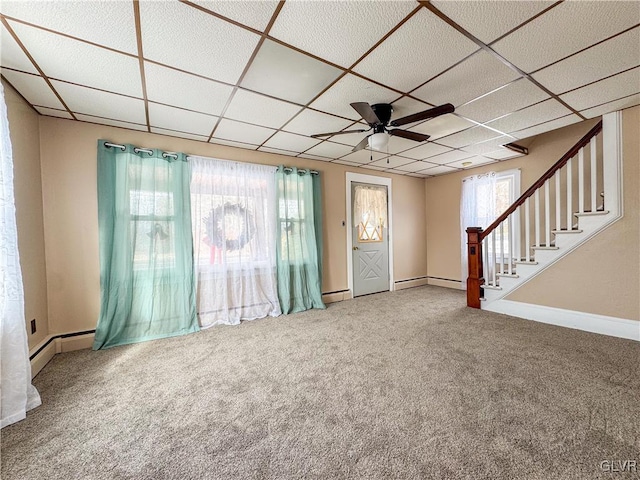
[{"x": 265, "y": 75}]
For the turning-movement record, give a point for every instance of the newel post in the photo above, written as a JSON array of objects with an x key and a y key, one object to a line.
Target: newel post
[{"x": 475, "y": 279}]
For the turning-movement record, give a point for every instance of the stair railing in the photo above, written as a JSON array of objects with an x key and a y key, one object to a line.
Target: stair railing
[{"x": 495, "y": 252}]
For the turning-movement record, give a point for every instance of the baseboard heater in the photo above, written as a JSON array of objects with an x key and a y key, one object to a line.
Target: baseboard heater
[{"x": 55, "y": 337}]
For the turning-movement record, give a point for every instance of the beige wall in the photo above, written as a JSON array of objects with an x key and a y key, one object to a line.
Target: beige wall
[
  {"x": 71, "y": 224},
  {"x": 444, "y": 192},
  {"x": 25, "y": 140},
  {"x": 603, "y": 275}
]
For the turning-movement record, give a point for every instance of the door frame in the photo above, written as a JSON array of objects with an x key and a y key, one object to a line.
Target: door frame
[{"x": 374, "y": 180}]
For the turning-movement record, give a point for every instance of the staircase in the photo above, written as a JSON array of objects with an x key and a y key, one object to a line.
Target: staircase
[{"x": 576, "y": 198}]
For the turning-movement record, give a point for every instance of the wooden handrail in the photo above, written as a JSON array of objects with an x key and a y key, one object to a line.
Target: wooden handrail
[{"x": 547, "y": 175}]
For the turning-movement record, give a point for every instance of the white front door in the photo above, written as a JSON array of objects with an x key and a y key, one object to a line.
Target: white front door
[{"x": 370, "y": 238}]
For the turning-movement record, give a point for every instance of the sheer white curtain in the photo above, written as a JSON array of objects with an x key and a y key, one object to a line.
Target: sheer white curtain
[
  {"x": 478, "y": 208},
  {"x": 17, "y": 394},
  {"x": 234, "y": 235}
]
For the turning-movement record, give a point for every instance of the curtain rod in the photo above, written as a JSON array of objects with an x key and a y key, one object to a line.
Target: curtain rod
[{"x": 312, "y": 172}]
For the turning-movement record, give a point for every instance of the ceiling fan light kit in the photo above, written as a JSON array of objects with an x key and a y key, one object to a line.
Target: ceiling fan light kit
[{"x": 379, "y": 141}]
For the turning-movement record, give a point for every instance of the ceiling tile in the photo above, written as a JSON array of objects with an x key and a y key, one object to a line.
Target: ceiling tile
[
  {"x": 346, "y": 162},
  {"x": 364, "y": 156},
  {"x": 546, "y": 127},
  {"x": 106, "y": 23},
  {"x": 565, "y": 29},
  {"x": 252, "y": 13},
  {"x": 606, "y": 59},
  {"x": 102, "y": 104},
  {"x": 417, "y": 175},
  {"x": 477, "y": 75},
  {"x": 449, "y": 157},
  {"x": 341, "y": 32},
  {"x": 231, "y": 143},
  {"x": 621, "y": 104},
  {"x": 442, "y": 126},
  {"x": 414, "y": 167},
  {"x": 179, "y": 89},
  {"x": 369, "y": 166},
  {"x": 467, "y": 137},
  {"x": 260, "y": 110},
  {"x": 291, "y": 141},
  {"x": 184, "y": 37},
  {"x": 329, "y": 149},
  {"x": 52, "y": 112},
  {"x": 285, "y": 73},
  {"x": 607, "y": 90},
  {"x": 173, "y": 133},
  {"x": 420, "y": 49},
  {"x": 279, "y": 151},
  {"x": 161, "y": 116},
  {"x": 109, "y": 122},
  {"x": 242, "y": 132},
  {"x": 475, "y": 162},
  {"x": 11, "y": 55},
  {"x": 488, "y": 20},
  {"x": 442, "y": 170},
  {"x": 489, "y": 145},
  {"x": 314, "y": 157},
  {"x": 502, "y": 154},
  {"x": 391, "y": 162},
  {"x": 407, "y": 106},
  {"x": 309, "y": 122},
  {"x": 399, "y": 144},
  {"x": 514, "y": 96},
  {"x": 78, "y": 62},
  {"x": 527, "y": 117},
  {"x": 425, "y": 151},
  {"x": 33, "y": 88},
  {"x": 350, "y": 89}
]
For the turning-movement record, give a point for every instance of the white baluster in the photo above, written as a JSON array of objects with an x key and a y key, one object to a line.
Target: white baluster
[
  {"x": 502, "y": 248},
  {"x": 536, "y": 216},
  {"x": 569, "y": 197},
  {"x": 547, "y": 221},
  {"x": 494, "y": 257},
  {"x": 510, "y": 258},
  {"x": 581, "y": 180},
  {"x": 594, "y": 186},
  {"x": 485, "y": 259},
  {"x": 558, "y": 200},
  {"x": 527, "y": 231}
]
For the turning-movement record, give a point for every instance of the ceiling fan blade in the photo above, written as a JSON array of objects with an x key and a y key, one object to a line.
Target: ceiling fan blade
[
  {"x": 318, "y": 135},
  {"x": 362, "y": 144},
  {"x": 418, "y": 137},
  {"x": 416, "y": 117},
  {"x": 366, "y": 112}
]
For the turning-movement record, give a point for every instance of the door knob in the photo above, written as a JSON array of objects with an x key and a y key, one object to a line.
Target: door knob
[{"x": 356, "y": 248}]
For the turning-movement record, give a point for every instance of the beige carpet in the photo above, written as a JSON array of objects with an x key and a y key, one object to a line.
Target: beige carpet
[{"x": 410, "y": 384}]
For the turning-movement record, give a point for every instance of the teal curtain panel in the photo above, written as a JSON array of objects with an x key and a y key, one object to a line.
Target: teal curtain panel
[
  {"x": 299, "y": 240},
  {"x": 146, "y": 250}
]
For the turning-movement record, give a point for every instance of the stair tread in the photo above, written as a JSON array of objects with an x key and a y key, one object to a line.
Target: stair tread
[
  {"x": 526, "y": 262},
  {"x": 508, "y": 275},
  {"x": 544, "y": 247},
  {"x": 491, "y": 287},
  {"x": 590, "y": 213},
  {"x": 564, "y": 230}
]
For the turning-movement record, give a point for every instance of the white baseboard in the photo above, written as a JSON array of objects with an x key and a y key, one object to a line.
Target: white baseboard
[
  {"x": 53, "y": 344},
  {"x": 417, "y": 282},
  {"x": 441, "y": 282},
  {"x": 336, "y": 296},
  {"x": 589, "y": 322}
]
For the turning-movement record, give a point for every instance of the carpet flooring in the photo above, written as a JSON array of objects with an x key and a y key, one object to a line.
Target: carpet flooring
[{"x": 409, "y": 384}]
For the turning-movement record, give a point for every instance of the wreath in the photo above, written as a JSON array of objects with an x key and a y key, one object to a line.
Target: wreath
[{"x": 229, "y": 226}]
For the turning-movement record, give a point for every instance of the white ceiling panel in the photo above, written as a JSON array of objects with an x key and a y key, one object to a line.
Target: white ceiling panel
[
  {"x": 533, "y": 115},
  {"x": 450, "y": 157},
  {"x": 474, "y": 161},
  {"x": 490, "y": 19},
  {"x": 514, "y": 96},
  {"x": 415, "y": 166},
  {"x": 441, "y": 170},
  {"x": 391, "y": 162},
  {"x": 350, "y": 89},
  {"x": 52, "y": 112},
  {"x": 607, "y": 90},
  {"x": 285, "y": 73},
  {"x": 314, "y": 157},
  {"x": 11, "y": 55},
  {"x": 421, "y": 48},
  {"x": 566, "y": 29},
  {"x": 253, "y": 13},
  {"x": 33, "y": 88},
  {"x": 407, "y": 106},
  {"x": 502, "y": 154},
  {"x": 608, "y": 58},
  {"x": 242, "y": 132},
  {"x": 467, "y": 137},
  {"x": 184, "y": 37},
  {"x": 161, "y": 116},
  {"x": 291, "y": 141},
  {"x": 614, "y": 106},
  {"x": 341, "y": 32},
  {"x": 442, "y": 126},
  {"x": 330, "y": 150},
  {"x": 179, "y": 89},
  {"x": 425, "y": 151},
  {"x": 364, "y": 156},
  {"x": 346, "y": 162},
  {"x": 476, "y": 76},
  {"x": 399, "y": 144},
  {"x": 416, "y": 175},
  {"x": 231, "y": 143},
  {"x": 102, "y": 104},
  {"x": 106, "y": 23},
  {"x": 110, "y": 122},
  {"x": 309, "y": 122},
  {"x": 279, "y": 151},
  {"x": 260, "y": 110},
  {"x": 489, "y": 145},
  {"x": 173, "y": 133},
  {"x": 546, "y": 127},
  {"x": 78, "y": 62}
]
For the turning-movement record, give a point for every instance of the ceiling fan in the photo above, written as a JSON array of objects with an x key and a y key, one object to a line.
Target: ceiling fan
[{"x": 378, "y": 117}]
